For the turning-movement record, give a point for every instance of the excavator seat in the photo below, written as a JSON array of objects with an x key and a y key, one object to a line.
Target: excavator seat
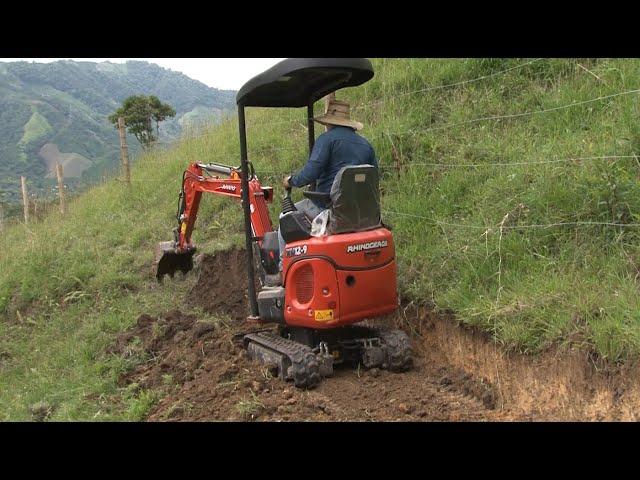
[
  {"x": 354, "y": 200},
  {"x": 354, "y": 204}
]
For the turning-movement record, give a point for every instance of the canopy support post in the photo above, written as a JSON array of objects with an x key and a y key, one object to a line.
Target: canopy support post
[{"x": 248, "y": 229}]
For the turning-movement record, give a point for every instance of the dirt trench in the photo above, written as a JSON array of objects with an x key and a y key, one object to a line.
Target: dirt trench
[
  {"x": 202, "y": 374},
  {"x": 569, "y": 383}
]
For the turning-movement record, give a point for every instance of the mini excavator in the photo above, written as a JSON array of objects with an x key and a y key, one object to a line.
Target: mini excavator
[{"x": 330, "y": 284}]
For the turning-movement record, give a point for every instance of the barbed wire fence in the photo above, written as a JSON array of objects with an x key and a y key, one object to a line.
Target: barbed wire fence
[
  {"x": 440, "y": 87},
  {"x": 513, "y": 115},
  {"x": 301, "y": 149},
  {"x": 277, "y": 173}
]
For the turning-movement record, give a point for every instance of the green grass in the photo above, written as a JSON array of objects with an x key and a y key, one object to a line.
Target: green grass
[
  {"x": 35, "y": 128},
  {"x": 247, "y": 408},
  {"x": 75, "y": 282},
  {"x": 78, "y": 281}
]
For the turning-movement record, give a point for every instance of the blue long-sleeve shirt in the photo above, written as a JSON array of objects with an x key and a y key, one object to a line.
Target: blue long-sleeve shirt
[{"x": 334, "y": 149}]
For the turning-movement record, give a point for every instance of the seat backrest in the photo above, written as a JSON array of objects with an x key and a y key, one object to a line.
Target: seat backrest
[{"x": 355, "y": 200}]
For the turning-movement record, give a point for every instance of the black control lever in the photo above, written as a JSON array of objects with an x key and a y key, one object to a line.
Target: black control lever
[{"x": 287, "y": 203}]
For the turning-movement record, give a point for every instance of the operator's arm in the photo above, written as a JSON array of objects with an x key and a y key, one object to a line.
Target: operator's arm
[{"x": 316, "y": 164}]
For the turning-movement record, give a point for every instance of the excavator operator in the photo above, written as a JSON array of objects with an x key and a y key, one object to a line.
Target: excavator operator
[{"x": 338, "y": 147}]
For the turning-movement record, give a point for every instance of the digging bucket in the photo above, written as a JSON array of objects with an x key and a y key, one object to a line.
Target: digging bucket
[{"x": 168, "y": 261}]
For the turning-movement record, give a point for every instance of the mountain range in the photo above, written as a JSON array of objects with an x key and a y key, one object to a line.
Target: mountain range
[{"x": 57, "y": 113}]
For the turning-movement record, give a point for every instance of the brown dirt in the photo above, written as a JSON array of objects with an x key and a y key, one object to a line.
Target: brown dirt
[
  {"x": 202, "y": 373},
  {"x": 222, "y": 284},
  {"x": 567, "y": 383}
]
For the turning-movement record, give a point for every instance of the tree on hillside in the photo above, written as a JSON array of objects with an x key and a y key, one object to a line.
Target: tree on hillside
[{"x": 139, "y": 113}]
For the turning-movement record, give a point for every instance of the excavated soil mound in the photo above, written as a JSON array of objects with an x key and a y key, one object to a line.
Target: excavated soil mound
[
  {"x": 222, "y": 284},
  {"x": 159, "y": 341},
  {"x": 201, "y": 372}
]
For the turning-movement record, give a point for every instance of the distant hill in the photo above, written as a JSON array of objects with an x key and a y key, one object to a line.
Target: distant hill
[{"x": 57, "y": 112}]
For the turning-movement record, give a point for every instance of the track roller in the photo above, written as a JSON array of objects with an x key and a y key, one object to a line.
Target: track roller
[
  {"x": 399, "y": 355},
  {"x": 293, "y": 360}
]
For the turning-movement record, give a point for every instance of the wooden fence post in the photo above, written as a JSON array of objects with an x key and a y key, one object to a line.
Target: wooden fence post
[
  {"x": 60, "y": 175},
  {"x": 1, "y": 218},
  {"x": 124, "y": 150},
  {"x": 25, "y": 199}
]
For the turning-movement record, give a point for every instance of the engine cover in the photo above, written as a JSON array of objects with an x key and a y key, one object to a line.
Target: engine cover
[{"x": 341, "y": 279}]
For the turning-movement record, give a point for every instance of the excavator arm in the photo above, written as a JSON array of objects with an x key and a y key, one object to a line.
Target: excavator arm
[{"x": 198, "y": 178}]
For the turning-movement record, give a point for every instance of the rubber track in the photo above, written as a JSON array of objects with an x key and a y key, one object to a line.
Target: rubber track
[
  {"x": 305, "y": 366},
  {"x": 399, "y": 351}
]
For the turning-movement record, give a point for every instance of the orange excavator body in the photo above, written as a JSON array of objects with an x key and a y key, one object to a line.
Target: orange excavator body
[
  {"x": 330, "y": 281},
  {"x": 337, "y": 280}
]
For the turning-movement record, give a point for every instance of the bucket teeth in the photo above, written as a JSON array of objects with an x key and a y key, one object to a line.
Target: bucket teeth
[{"x": 168, "y": 261}]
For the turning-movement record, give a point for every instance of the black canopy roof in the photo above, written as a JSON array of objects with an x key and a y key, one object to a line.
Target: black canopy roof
[{"x": 295, "y": 82}]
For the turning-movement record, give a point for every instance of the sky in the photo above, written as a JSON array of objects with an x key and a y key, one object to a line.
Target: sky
[{"x": 222, "y": 73}]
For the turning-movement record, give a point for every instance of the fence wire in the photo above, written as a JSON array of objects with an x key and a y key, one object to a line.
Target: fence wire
[
  {"x": 227, "y": 159},
  {"x": 489, "y": 228},
  {"x": 512, "y": 115},
  {"x": 440, "y": 87}
]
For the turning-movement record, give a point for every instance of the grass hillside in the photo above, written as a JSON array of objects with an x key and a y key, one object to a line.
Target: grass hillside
[{"x": 523, "y": 225}]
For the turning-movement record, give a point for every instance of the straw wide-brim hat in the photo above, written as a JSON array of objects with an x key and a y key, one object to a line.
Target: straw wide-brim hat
[{"x": 338, "y": 113}]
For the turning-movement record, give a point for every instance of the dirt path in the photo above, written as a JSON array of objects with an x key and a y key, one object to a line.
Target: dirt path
[
  {"x": 422, "y": 394},
  {"x": 201, "y": 372}
]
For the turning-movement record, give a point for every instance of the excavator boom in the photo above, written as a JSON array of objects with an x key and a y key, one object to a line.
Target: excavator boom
[{"x": 177, "y": 255}]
